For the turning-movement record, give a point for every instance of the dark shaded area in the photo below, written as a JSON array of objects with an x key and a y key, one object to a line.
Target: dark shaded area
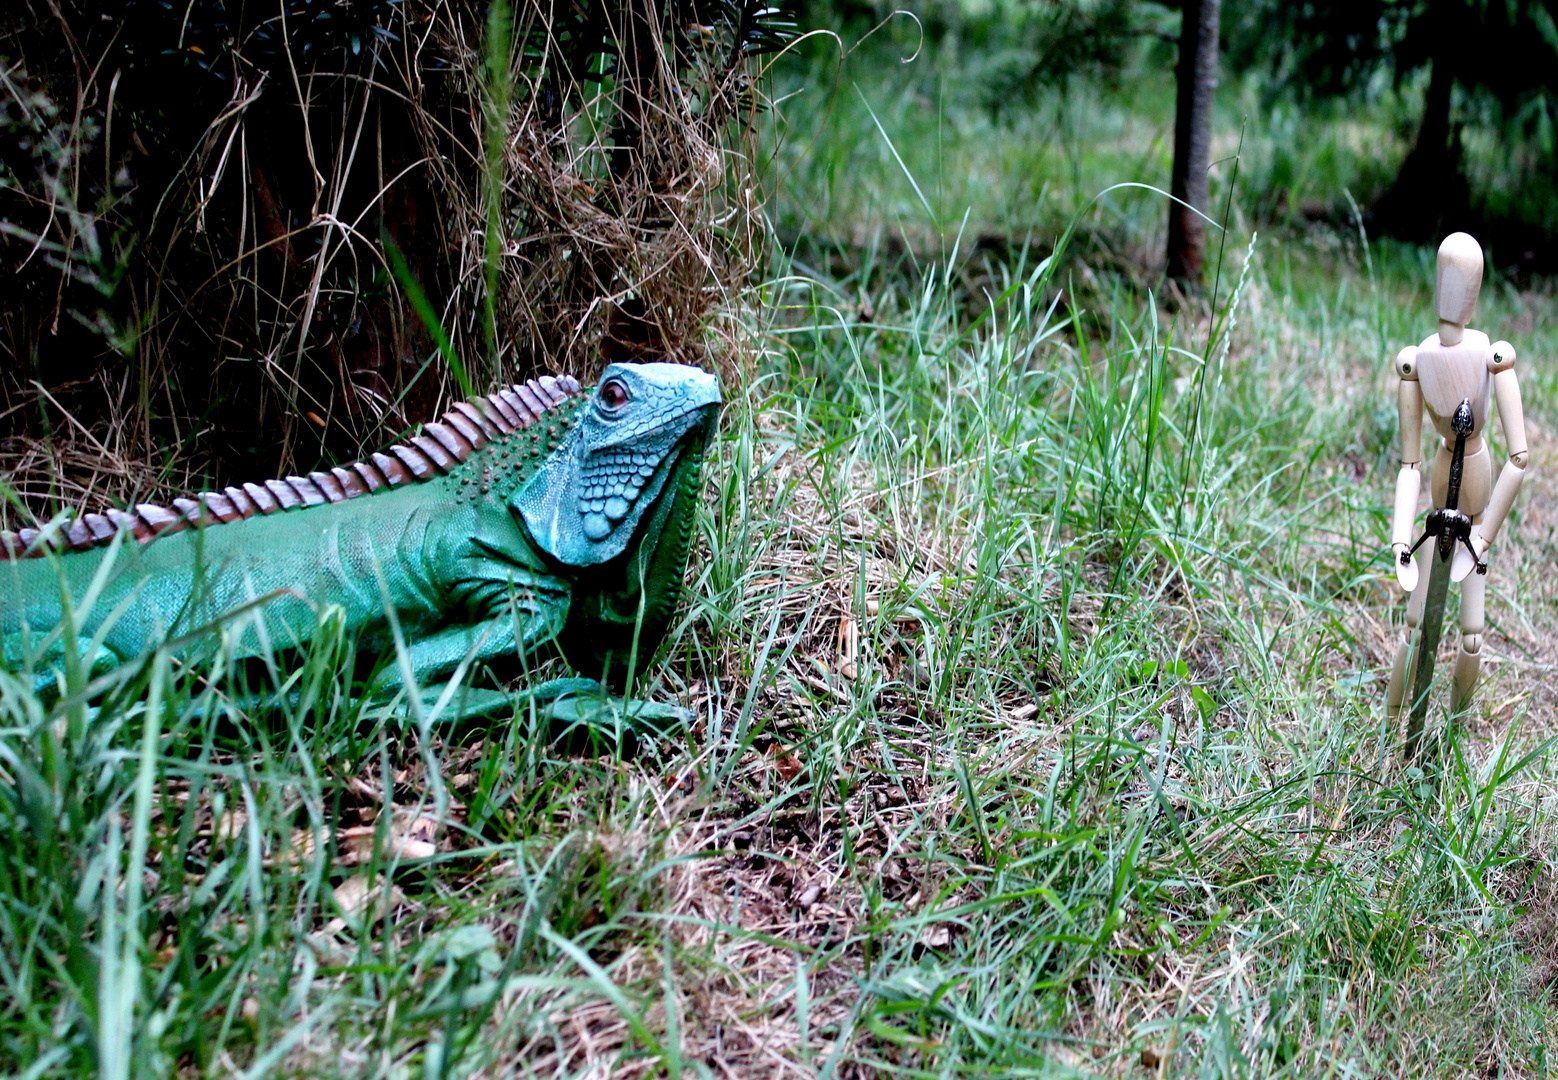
[
  {"x": 172, "y": 197},
  {"x": 194, "y": 196},
  {"x": 1487, "y": 66}
]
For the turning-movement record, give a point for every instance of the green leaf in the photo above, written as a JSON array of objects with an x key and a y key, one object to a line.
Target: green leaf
[{"x": 1204, "y": 703}]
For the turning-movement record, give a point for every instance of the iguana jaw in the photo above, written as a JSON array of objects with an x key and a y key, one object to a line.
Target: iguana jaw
[{"x": 585, "y": 504}]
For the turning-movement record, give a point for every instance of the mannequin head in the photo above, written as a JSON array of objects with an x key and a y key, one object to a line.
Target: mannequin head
[{"x": 1456, "y": 286}]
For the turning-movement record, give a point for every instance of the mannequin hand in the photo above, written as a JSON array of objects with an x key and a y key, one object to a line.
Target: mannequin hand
[
  {"x": 1406, "y": 572},
  {"x": 1464, "y": 564}
]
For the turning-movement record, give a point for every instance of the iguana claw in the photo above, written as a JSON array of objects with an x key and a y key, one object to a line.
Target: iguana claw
[
  {"x": 564, "y": 704},
  {"x": 584, "y": 702}
]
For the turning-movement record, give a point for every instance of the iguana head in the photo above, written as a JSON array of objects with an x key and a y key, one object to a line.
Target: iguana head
[{"x": 584, "y": 505}]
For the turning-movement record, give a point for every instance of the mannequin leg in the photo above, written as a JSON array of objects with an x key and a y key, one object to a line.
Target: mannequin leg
[
  {"x": 1468, "y": 660},
  {"x": 1399, "y": 670}
]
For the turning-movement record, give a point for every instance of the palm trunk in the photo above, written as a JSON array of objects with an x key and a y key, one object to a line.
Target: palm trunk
[{"x": 1196, "y": 76}]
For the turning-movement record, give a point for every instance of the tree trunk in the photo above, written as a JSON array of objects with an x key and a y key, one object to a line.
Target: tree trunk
[
  {"x": 1196, "y": 76},
  {"x": 1430, "y": 195}
]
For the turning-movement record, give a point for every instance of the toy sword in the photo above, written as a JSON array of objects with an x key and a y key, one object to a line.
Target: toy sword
[{"x": 1449, "y": 526}]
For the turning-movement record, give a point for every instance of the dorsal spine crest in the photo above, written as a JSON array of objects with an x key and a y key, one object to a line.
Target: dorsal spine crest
[{"x": 444, "y": 447}]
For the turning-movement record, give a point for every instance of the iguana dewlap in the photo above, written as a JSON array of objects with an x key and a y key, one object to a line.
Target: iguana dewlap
[{"x": 542, "y": 516}]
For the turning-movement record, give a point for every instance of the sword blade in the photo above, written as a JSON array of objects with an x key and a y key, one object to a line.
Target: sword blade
[{"x": 1430, "y": 627}]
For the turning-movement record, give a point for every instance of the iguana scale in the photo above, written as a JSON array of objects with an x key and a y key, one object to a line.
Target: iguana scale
[{"x": 539, "y": 517}]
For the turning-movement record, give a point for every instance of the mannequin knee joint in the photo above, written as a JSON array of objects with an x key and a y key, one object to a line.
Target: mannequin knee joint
[{"x": 1471, "y": 644}]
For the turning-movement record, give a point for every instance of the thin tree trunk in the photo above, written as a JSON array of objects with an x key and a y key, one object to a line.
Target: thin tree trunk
[{"x": 1196, "y": 76}]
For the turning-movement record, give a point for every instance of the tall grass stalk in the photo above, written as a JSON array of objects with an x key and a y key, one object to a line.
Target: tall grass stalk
[{"x": 498, "y": 92}]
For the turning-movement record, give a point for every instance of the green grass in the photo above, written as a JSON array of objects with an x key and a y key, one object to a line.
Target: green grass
[
  {"x": 1037, "y": 637},
  {"x": 1024, "y": 165}
]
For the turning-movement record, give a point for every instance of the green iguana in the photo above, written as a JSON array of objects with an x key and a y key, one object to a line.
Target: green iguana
[{"x": 540, "y": 517}]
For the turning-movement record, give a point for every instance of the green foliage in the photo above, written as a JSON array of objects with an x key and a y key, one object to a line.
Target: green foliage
[
  {"x": 1326, "y": 49},
  {"x": 1484, "y": 152}
]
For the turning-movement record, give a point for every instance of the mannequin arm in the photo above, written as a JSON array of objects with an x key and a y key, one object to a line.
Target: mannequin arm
[
  {"x": 1409, "y": 479},
  {"x": 1409, "y": 407},
  {"x": 1506, "y": 387},
  {"x": 1409, "y": 484}
]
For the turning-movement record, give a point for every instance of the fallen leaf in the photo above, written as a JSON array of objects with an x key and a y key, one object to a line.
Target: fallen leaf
[
  {"x": 357, "y": 894},
  {"x": 351, "y": 896},
  {"x": 416, "y": 838},
  {"x": 406, "y": 838},
  {"x": 786, "y": 762},
  {"x": 303, "y": 843},
  {"x": 936, "y": 937},
  {"x": 816, "y": 683},
  {"x": 230, "y": 825},
  {"x": 358, "y": 844},
  {"x": 849, "y": 647}
]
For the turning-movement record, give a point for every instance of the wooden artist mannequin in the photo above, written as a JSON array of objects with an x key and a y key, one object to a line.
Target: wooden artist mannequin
[{"x": 1453, "y": 371}]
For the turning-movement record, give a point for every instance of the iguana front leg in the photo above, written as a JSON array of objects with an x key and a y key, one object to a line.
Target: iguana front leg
[
  {"x": 520, "y": 611},
  {"x": 585, "y": 703},
  {"x": 513, "y": 613}
]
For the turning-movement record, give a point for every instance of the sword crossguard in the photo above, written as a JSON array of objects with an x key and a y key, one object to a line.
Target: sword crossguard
[{"x": 1451, "y": 527}]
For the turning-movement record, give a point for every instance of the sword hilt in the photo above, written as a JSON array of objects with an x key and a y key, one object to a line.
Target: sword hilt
[{"x": 1447, "y": 523}]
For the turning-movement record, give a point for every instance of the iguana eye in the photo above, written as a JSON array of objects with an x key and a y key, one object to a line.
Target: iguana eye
[{"x": 614, "y": 394}]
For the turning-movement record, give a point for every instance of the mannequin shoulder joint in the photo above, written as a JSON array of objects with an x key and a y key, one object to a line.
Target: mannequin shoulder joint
[
  {"x": 1501, "y": 357},
  {"x": 1406, "y": 363}
]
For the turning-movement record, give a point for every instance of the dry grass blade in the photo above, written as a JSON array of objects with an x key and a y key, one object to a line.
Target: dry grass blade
[{"x": 202, "y": 291}]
